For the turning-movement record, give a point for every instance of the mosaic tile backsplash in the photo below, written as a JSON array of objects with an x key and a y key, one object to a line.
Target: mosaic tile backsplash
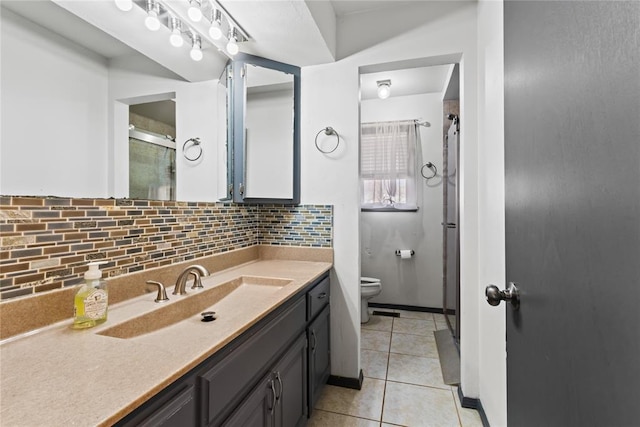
[{"x": 47, "y": 242}]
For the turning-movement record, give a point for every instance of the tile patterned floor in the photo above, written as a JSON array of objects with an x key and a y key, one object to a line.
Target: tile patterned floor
[{"x": 403, "y": 383}]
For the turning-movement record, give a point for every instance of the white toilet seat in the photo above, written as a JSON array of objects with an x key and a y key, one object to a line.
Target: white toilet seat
[{"x": 369, "y": 281}]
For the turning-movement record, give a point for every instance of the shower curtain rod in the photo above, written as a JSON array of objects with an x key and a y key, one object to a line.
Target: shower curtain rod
[{"x": 416, "y": 121}]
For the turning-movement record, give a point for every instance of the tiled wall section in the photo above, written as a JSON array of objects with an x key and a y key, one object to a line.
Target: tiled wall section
[
  {"x": 293, "y": 226},
  {"x": 47, "y": 242}
]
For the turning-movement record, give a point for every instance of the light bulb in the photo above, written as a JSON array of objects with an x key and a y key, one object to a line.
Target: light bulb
[
  {"x": 176, "y": 38},
  {"x": 151, "y": 21},
  {"x": 124, "y": 5},
  {"x": 232, "y": 47},
  {"x": 215, "y": 31},
  {"x": 196, "y": 53},
  {"x": 384, "y": 91},
  {"x": 384, "y": 88},
  {"x": 194, "y": 12}
]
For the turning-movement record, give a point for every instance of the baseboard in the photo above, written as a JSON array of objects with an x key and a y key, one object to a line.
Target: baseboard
[
  {"x": 346, "y": 382},
  {"x": 409, "y": 308},
  {"x": 470, "y": 403}
]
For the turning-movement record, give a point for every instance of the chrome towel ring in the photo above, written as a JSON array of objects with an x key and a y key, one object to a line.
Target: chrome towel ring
[
  {"x": 432, "y": 167},
  {"x": 328, "y": 131},
  {"x": 195, "y": 142}
]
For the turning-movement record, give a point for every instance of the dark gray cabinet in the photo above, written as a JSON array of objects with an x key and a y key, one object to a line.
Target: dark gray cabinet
[
  {"x": 291, "y": 386},
  {"x": 224, "y": 383},
  {"x": 319, "y": 355},
  {"x": 279, "y": 399},
  {"x": 269, "y": 376},
  {"x": 257, "y": 409}
]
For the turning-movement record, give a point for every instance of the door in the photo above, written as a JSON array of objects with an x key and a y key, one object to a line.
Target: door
[
  {"x": 451, "y": 265},
  {"x": 572, "y": 160},
  {"x": 257, "y": 409},
  {"x": 291, "y": 386},
  {"x": 319, "y": 355}
]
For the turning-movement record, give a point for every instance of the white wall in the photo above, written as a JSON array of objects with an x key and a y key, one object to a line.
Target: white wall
[
  {"x": 54, "y": 114},
  {"x": 416, "y": 281},
  {"x": 330, "y": 98},
  {"x": 137, "y": 79},
  {"x": 491, "y": 248}
]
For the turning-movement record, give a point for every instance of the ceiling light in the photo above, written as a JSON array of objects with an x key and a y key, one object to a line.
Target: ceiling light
[
  {"x": 215, "y": 30},
  {"x": 124, "y": 5},
  {"x": 176, "y": 35},
  {"x": 194, "y": 11},
  {"x": 384, "y": 88},
  {"x": 196, "y": 48},
  {"x": 151, "y": 21},
  {"x": 232, "y": 46}
]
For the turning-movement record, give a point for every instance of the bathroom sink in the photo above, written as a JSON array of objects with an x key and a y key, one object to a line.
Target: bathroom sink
[{"x": 193, "y": 304}]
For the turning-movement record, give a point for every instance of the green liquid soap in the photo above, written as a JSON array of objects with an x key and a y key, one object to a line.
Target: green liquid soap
[{"x": 91, "y": 302}]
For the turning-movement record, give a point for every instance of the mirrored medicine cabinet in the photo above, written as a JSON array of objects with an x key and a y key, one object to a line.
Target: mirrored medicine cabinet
[{"x": 264, "y": 131}]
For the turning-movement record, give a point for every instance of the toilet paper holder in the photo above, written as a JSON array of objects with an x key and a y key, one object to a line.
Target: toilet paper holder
[{"x": 398, "y": 252}]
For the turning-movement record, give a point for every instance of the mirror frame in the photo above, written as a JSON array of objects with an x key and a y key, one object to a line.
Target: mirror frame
[{"x": 237, "y": 108}]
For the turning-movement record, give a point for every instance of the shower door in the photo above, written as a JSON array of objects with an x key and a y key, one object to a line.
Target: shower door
[{"x": 450, "y": 235}]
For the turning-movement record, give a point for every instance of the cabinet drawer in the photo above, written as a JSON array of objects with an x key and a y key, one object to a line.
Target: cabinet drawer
[
  {"x": 231, "y": 379},
  {"x": 317, "y": 298}
]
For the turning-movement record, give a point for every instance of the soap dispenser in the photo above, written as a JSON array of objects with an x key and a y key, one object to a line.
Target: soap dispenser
[{"x": 91, "y": 300}]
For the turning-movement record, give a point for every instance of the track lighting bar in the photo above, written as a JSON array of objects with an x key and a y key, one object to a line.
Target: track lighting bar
[{"x": 195, "y": 21}]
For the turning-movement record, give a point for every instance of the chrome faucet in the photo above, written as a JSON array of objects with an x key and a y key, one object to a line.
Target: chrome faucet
[
  {"x": 162, "y": 294},
  {"x": 197, "y": 271}
]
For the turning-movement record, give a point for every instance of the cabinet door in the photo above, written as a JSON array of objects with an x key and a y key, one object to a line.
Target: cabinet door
[
  {"x": 290, "y": 376},
  {"x": 257, "y": 410},
  {"x": 223, "y": 386},
  {"x": 319, "y": 355}
]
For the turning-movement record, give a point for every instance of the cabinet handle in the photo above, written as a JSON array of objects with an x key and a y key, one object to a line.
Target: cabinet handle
[
  {"x": 273, "y": 397},
  {"x": 322, "y": 295},
  {"x": 279, "y": 395},
  {"x": 313, "y": 341}
]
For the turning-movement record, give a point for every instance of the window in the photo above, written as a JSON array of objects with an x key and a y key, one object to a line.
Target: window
[{"x": 387, "y": 165}]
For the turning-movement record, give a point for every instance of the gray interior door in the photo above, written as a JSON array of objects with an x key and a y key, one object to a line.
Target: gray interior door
[{"x": 572, "y": 147}]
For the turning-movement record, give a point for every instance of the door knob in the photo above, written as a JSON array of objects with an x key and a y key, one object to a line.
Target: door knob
[{"x": 495, "y": 295}]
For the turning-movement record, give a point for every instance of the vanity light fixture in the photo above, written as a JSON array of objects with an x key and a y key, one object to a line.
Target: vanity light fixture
[
  {"x": 176, "y": 34},
  {"x": 215, "y": 30},
  {"x": 195, "y": 11},
  {"x": 151, "y": 21},
  {"x": 196, "y": 48},
  {"x": 232, "y": 46},
  {"x": 124, "y": 5},
  {"x": 384, "y": 88}
]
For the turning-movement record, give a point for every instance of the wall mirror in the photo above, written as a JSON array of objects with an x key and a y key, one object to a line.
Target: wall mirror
[
  {"x": 67, "y": 91},
  {"x": 265, "y": 112}
]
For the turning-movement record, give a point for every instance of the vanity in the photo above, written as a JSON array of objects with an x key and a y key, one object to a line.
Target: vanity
[
  {"x": 269, "y": 376},
  {"x": 262, "y": 361}
]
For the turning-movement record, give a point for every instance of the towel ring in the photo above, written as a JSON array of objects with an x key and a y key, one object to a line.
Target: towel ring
[
  {"x": 195, "y": 142},
  {"x": 433, "y": 169},
  {"x": 328, "y": 131}
]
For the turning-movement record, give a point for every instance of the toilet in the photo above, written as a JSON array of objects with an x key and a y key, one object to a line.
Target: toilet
[{"x": 369, "y": 288}]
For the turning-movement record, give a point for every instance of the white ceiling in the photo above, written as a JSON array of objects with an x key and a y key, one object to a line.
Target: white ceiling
[
  {"x": 404, "y": 82},
  {"x": 349, "y": 7},
  {"x": 292, "y": 31}
]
